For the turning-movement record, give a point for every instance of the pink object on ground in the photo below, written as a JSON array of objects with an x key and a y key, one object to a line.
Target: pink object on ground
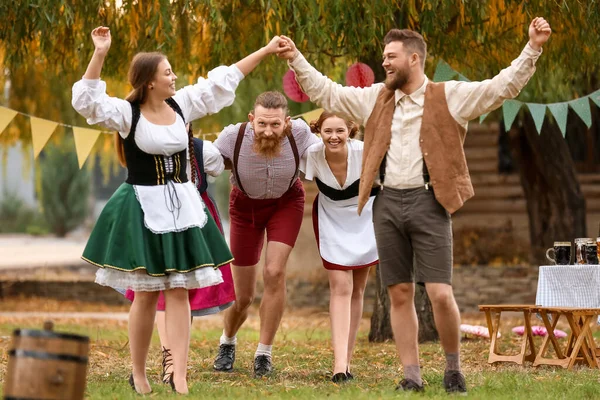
[
  {"x": 476, "y": 330},
  {"x": 537, "y": 330}
]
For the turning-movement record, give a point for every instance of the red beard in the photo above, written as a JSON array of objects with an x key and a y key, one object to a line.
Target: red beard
[{"x": 268, "y": 147}]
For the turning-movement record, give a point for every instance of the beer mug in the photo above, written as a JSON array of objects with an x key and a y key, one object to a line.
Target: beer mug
[
  {"x": 562, "y": 253},
  {"x": 591, "y": 252},
  {"x": 580, "y": 244}
]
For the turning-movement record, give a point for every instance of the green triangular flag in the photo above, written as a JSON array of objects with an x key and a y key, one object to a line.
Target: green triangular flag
[
  {"x": 484, "y": 116},
  {"x": 538, "y": 112},
  {"x": 560, "y": 112},
  {"x": 463, "y": 78},
  {"x": 443, "y": 72},
  {"x": 582, "y": 108},
  {"x": 596, "y": 97},
  {"x": 510, "y": 109}
]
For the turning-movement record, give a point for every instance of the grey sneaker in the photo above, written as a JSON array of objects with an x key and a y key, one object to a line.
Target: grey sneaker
[
  {"x": 262, "y": 366},
  {"x": 225, "y": 358},
  {"x": 408, "y": 385},
  {"x": 454, "y": 382}
]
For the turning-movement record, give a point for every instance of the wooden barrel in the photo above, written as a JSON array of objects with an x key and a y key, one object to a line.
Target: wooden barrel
[{"x": 47, "y": 365}]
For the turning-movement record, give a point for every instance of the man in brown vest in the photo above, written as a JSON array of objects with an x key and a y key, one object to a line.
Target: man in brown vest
[{"x": 414, "y": 132}]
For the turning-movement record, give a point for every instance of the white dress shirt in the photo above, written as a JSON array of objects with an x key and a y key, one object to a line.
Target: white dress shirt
[{"x": 466, "y": 101}]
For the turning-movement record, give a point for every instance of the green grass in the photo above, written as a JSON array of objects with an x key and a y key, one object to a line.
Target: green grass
[{"x": 303, "y": 360}]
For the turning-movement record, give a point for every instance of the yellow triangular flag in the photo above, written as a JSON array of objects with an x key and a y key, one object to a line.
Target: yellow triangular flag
[
  {"x": 6, "y": 115},
  {"x": 84, "y": 142},
  {"x": 312, "y": 115},
  {"x": 41, "y": 130}
]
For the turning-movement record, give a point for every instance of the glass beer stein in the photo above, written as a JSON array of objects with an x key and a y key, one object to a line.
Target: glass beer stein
[
  {"x": 580, "y": 250},
  {"x": 562, "y": 253},
  {"x": 591, "y": 252}
]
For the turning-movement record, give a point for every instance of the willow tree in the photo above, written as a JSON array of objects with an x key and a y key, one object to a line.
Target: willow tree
[{"x": 477, "y": 38}]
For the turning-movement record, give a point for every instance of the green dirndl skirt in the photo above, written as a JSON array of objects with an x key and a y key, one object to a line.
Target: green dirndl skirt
[{"x": 130, "y": 256}]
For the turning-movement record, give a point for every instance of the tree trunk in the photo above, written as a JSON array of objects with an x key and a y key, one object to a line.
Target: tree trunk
[
  {"x": 427, "y": 330},
  {"x": 381, "y": 328},
  {"x": 555, "y": 203}
]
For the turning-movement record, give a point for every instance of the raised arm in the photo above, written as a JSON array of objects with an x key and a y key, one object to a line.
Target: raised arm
[
  {"x": 89, "y": 94},
  {"x": 217, "y": 91},
  {"x": 350, "y": 102},
  {"x": 101, "y": 39},
  {"x": 469, "y": 100},
  {"x": 248, "y": 63}
]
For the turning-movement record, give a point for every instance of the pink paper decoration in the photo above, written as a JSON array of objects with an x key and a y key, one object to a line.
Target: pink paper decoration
[
  {"x": 292, "y": 89},
  {"x": 476, "y": 330},
  {"x": 359, "y": 75},
  {"x": 537, "y": 330}
]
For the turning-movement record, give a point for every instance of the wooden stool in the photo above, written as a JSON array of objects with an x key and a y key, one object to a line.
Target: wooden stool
[
  {"x": 580, "y": 344},
  {"x": 494, "y": 327}
]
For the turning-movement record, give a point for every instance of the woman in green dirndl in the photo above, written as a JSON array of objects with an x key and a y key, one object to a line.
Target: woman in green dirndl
[{"x": 155, "y": 233}]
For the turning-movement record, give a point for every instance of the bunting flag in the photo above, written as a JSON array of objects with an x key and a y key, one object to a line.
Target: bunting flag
[
  {"x": 85, "y": 139},
  {"x": 510, "y": 108},
  {"x": 312, "y": 115},
  {"x": 41, "y": 130},
  {"x": 538, "y": 112},
  {"x": 6, "y": 115},
  {"x": 596, "y": 97},
  {"x": 443, "y": 72},
  {"x": 559, "y": 112},
  {"x": 582, "y": 108}
]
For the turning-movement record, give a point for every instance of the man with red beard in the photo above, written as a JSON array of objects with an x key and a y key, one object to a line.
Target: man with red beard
[
  {"x": 414, "y": 132},
  {"x": 267, "y": 196}
]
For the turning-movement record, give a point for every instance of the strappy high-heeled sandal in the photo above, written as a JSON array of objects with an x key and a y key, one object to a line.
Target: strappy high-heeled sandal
[{"x": 167, "y": 361}]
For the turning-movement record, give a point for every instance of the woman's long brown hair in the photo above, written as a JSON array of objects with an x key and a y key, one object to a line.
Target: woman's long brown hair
[{"x": 141, "y": 72}]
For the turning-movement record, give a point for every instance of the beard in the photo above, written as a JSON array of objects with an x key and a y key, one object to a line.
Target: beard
[
  {"x": 398, "y": 79},
  {"x": 267, "y": 147},
  {"x": 270, "y": 146}
]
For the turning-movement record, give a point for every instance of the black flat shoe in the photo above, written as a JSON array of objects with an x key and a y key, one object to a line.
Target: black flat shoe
[
  {"x": 349, "y": 375},
  {"x": 340, "y": 377}
]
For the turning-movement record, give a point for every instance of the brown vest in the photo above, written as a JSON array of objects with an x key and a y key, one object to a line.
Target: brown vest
[{"x": 441, "y": 142}]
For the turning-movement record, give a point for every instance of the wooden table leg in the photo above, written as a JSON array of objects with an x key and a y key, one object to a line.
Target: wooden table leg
[
  {"x": 528, "y": 340},
  {"x": 581, "y": 343},
  {"x": 592, "y": 344},
  {"x": 562, "y": 361},
  {"x": 494, "y": 326}
]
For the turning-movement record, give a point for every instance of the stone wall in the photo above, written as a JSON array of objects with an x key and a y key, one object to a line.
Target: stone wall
[{"x": 473, "y": 285}]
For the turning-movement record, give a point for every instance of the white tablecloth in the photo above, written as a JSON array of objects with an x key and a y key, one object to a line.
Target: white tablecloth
[{"x": 569, "y": 286}]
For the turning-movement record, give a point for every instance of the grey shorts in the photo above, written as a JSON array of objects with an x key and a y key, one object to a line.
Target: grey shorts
[{"x": 414, "y": 237}]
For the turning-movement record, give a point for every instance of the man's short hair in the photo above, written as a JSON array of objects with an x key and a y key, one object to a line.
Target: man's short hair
[
  {"x": 272, "y": 100},
  {"x": 412, "y": 41}
]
